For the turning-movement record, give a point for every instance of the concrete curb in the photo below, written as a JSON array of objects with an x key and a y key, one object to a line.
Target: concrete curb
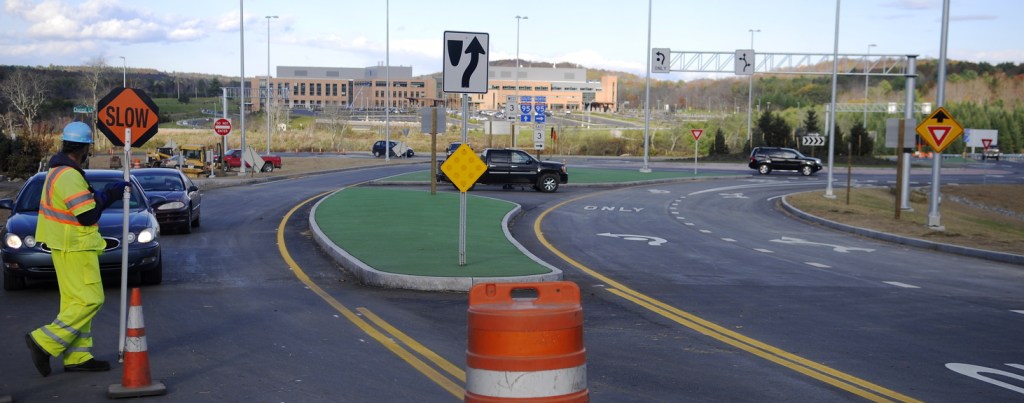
[
  {"x": 370, "y": 276},
  {"x": 919, "y": 243}
]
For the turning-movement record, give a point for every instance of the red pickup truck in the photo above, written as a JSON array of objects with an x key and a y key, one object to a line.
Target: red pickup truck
[{"x": 233, "y": 159}]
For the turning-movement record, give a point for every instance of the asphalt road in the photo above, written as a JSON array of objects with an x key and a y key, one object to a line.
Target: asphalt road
[{"x": 745, "y": 304}]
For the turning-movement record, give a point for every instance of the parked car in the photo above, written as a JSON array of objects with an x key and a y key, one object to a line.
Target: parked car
[
  {"x": 511, "y": 167},
  {"x": 24, "y": 258},
  {"x": 767, "y": 159},
  {"x": 455, "y": 146},
  {"x": 397, "y": 148},
  {"x": 175, "y": 198}
]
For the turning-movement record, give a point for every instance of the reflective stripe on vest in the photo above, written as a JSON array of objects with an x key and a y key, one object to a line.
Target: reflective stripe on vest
[{"x": 54, "y": 213}]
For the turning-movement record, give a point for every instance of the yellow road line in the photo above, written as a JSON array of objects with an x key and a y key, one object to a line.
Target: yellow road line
[
  {"x": 444, "y": 364},
  {"x": 361, "y": 323},
  {"x": 794, "y": 362}
]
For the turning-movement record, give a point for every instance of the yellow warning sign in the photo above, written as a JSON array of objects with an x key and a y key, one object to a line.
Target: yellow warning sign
[
  {"x": 939, "y": 130},
  {"x": 463, "y": 167}
]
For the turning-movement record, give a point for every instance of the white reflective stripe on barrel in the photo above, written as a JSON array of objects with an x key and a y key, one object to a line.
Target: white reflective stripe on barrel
[{"x": 555, "y": 382}]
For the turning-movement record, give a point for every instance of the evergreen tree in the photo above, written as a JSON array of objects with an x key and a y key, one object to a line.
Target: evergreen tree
[{"x": 719, "y": 146}]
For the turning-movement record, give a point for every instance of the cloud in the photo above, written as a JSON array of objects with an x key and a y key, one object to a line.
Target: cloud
[
  {"x": 913, "y": 4},
  {"x": 973, "y": 17},
  {"x": 97, "y": 20}
]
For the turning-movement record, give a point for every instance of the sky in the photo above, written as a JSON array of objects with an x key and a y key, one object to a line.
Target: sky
[{"x": 204, "y": 36}]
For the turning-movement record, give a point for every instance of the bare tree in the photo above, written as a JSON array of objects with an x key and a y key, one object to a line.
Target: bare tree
[
  {"x": 26, "y": 92},
  {"x": 97, "y": 82}
]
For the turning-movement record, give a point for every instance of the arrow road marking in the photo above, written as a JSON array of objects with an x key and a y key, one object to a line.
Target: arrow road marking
[
  {"x": 475, "y": 49},
  {"x": 658, "y": 191},
  {"x": 651, "y": 240},
  {"x": 733, "y": 196},
  {"x": 836, "y": 248}
]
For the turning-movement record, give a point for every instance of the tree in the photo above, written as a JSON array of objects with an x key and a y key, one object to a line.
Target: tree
[
  {"x": 26, "y": 92},
  {"x": 97, "y": 81},
  {"x": 774, "y": 129},
  {"x": 719, "y": 146},
  {"x": 811, "y": 122},
  {"x": 861, "y": 143}
]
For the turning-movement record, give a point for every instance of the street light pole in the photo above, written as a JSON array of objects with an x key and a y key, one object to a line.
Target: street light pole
[
  {"x": 519, "y": 18},
  {"x": 750, "y": 91},
  {"x": 124, "y": 72},
  {"x": 270, "y": 87},
  {"x": 866, "y": 78}
]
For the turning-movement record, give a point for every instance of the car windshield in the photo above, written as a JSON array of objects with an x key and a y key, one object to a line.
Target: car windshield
[
  {"x": 160, "y": 182},
  {"x": 28, "y": 198}
]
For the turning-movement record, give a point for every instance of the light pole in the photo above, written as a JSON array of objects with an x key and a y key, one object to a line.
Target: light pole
[
  {"x": 124, "y": 72},
  {"x": 270, "y": 87},
  {"x": 750, "y": 91},
  {"x": 519, "y": 18},
  {"x": 866, "y": 78}
]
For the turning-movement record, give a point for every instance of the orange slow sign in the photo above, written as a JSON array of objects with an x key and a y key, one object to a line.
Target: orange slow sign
[{"x": 127, "y": 108}]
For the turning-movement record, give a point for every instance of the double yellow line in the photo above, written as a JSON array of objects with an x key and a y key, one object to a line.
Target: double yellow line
[
  {"x": 384, "y": 333},
  {"x": 796, "y": 363}
]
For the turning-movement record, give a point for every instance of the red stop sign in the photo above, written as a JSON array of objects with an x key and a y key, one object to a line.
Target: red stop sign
[{"x": 222, "y": 126}]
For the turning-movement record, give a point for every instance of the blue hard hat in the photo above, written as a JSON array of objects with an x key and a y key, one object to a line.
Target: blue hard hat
[{"x": 77, "y": 132}]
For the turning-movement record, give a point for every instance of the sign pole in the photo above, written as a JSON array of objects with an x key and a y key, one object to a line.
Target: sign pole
[
  {"x": 125, "y": 199},
  {"x": 899, "y": 170},
  {"x": 462, "y": 195},
  {"x": 934, "y": 215}
]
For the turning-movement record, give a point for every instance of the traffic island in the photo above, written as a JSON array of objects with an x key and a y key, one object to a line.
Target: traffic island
[{"x": 400, "y": 238}]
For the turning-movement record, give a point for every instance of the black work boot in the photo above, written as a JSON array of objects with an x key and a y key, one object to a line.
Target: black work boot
[
  {"x": 92, "y": 365},
  {"x": 40, "y": 357}
]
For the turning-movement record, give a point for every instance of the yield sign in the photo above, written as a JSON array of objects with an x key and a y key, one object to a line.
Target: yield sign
[
  {"x": 939, "y": 130},
  {"x": 696, "y": 133},
  {"x": 127, "y": 108},
  {"x": 986, "y": 143}
]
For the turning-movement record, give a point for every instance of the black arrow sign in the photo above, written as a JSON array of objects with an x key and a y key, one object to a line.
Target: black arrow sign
[
  {"x": 940, "y": 116},
  {"x": 474, "y": 50},
  {"x": 660, "y": 57}
]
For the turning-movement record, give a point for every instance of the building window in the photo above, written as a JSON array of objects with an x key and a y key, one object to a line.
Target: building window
[
  {"x": 302, "y": 89},
  {"x": 334, "y": 90},
  {"x": 542, "y": 88},
  {"x": 381, "y": 83},
  {"x": 295, "y": 90},
  {"x": 344, "y": 89},
  {"x": 400, "y": 84},
  {"x": 418, "y": 84},
  {"x": 317, "y": 89},
  {"x": 508, "y": 87}
]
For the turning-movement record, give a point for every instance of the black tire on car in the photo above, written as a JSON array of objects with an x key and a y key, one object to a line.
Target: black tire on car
[
  {"x": 195, "y": 223},
  {"x": 267, "y": 167},
  {"x": 187, "y": 227},
  {"x": 806, "y": 170},
  {"x": 13, "y": 282},
  {"x": 547, "y": 183},
  {"x": 409, "y": 154},
  {"x": 764, "y": 169}
]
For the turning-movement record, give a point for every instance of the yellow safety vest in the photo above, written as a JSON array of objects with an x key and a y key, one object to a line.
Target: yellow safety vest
[{"x": 65, "y": 195}]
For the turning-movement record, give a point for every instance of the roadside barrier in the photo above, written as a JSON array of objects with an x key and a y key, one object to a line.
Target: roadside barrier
[
  {"x": 526, "y": 343},
  {"x": 135, "y": 381}
]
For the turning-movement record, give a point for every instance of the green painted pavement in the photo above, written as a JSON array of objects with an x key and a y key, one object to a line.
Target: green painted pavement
[{"x": 414, "y": 233}]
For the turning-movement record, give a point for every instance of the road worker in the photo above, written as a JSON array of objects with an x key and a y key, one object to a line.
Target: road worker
[{"x": 69, "y": 210}]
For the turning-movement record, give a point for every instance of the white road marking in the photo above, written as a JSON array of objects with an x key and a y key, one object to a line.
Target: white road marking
[
  {"x": 675, "y": 204},
  {"x": 763, "y": 250},
  {"x": 672, "y": 208},
  {"x": 733, "y": 196},
  {"x": 690, "y": 224},
  {"x": 899, "y": 284},
  {"x": 728, "y": 240},
  {"x": 675, "y": 212},
  {"x": 651, "y": 240},
  {"x": 818, "y": 265},
  {"x": 705, "y": 231},
  {"x": 774, "y": 197},
  {"x": 680, "y": 218},
  {"x": 1020, "y": 312},
  {"x": 836, "y": 248},
  {"x": 658, "y": 191}
]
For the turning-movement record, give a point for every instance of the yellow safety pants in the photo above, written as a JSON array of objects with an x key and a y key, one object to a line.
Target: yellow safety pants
[{"x": 81, "y": 297}]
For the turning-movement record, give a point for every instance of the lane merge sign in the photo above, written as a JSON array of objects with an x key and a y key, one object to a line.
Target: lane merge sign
[
  {"x": 127, "y": 110},
  {"x": 465, "y": 62},
  {"x": 940, "y": 129}
]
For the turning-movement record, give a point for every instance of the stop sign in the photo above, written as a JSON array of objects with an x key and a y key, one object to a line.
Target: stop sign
[{"x": 222, "y": 126}]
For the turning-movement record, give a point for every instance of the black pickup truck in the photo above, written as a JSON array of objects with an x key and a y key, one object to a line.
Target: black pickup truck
[{"x": 516, "y": 167}]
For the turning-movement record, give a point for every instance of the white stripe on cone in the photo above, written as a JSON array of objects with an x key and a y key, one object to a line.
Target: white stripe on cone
[{"x": 532, "y": 384}]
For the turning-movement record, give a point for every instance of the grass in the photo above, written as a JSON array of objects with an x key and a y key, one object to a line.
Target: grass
[{"x": 978, "y": 216}]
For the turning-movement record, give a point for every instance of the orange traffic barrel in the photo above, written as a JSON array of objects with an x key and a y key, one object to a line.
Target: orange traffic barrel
[{"x": 526, "y": 343}]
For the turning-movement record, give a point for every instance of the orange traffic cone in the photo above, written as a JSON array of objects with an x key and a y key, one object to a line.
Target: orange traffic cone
[{"x": 135, "y": 381}]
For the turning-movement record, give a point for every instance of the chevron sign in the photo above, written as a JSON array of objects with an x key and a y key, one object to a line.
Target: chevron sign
[{"x": 813, "y": 141}]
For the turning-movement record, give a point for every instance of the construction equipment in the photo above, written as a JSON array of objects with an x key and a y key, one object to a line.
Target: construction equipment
[
  {"x": 196, "y": 161},
  {"x": 159, "y": 157}
]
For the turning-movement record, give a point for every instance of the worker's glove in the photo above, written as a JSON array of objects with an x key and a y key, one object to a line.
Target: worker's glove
[{"x": 111, "y": 193}]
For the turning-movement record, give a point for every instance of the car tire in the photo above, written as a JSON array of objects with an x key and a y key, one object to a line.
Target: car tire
[
  {"x": 196, "y": 222},
  {"x": 409, "y": 154},
  {"x": 267, "y": 167},
  {"x": 187, "y": 227},
  {"x": 153, "y": 276},
  {"x": 13, "y": 282},
  {"x": 806, "y": 170},
  {"x": 547, "y": 183},
  {"x": 764, "y": 169}
]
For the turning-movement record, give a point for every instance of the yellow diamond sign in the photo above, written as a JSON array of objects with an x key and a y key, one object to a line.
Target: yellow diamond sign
[
  {"x": 939, "y": 130},
  {"x": 463, "y": 167}
]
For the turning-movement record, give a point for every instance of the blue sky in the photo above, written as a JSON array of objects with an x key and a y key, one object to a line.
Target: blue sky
[{"x": 203, "y": 36}]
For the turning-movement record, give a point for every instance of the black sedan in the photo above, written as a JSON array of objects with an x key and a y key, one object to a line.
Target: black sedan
[
  {"x": 175, "y": 199},
  {"x": 24, "y": 258}
]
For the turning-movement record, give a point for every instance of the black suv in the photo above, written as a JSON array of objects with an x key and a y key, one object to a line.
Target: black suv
[
  {"x": 378, "y": 149},
  {"x": 767, "y": 159}
]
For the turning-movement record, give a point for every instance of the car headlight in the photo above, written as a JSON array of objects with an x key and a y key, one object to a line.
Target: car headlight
[
  {"x": 146, "y": 236},
  {"x": 12, "y": 241},
  {"x": 175, "y": 205}
]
